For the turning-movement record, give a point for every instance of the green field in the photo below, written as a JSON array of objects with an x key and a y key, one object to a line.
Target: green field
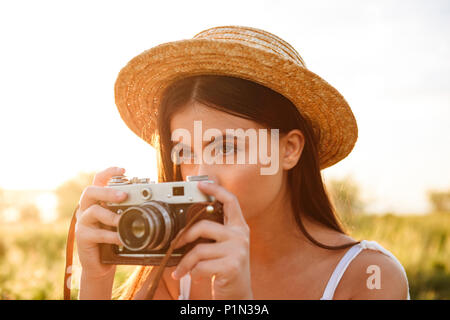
[{"x": 32, "y": 255}]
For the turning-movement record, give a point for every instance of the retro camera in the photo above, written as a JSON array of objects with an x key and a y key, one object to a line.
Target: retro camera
[{"x": 151, "y": 217}]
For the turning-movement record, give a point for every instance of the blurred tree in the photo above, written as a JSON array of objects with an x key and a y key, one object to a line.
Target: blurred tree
[
  {"x": 346, "y": 196},
  {"x": 29, "y": 212},
  {"x": 439, "y": 200},
  {"x": 69, "y": 193}
]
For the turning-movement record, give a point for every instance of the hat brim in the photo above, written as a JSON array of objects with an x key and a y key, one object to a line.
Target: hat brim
[{"x": 140, "y": 85}]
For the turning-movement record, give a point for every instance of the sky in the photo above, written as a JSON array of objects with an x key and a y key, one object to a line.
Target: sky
[{"x": 389, "y": 59}]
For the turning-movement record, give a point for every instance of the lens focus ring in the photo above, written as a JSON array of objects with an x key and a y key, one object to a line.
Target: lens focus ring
[{"x": 168, "y": 224}]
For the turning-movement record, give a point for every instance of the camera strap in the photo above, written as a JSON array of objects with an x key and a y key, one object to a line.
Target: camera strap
[{"x": 69, "y": 255}]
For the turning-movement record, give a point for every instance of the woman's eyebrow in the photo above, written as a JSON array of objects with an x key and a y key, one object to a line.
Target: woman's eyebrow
[{"x": 223, "y": 137}]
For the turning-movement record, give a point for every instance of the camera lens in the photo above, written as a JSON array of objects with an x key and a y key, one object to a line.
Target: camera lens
[
  {"x": 149, "y": 226},
  {"x": 138, "y": 228}
]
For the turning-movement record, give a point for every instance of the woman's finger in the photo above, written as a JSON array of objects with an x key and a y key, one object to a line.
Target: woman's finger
[
  {"x": 93, "y": 194},
  {"x": 101, "y": 178},
  {"x": 202, "y": 251},
  {"x": 96, "y": 235},
  {"x": 97, "y": 213},
  {"x": 203, "y": 229},
  {"x": 232, "y": 210},
  {"x": 209, "y": 268}
]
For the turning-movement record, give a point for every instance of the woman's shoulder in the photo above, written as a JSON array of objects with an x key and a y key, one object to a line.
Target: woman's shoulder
[{"x": 373, "y": 274}]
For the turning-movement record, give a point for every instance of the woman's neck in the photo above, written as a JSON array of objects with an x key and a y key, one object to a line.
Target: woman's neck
[
  {"x": 274, "y": 233},
  {"x": 276, "y": 239}
]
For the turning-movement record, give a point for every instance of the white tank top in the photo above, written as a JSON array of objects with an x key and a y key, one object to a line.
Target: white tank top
[{"x": 185, "y": 281}]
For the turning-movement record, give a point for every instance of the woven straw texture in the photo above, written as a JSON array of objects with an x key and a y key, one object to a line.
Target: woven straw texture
[{"x": 243, "y": 52}]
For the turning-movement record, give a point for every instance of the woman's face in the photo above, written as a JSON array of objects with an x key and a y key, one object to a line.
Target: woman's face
[{"x": 254, "y": 190}]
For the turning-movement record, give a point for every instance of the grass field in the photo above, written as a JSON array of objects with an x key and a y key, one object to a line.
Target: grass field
[{"x": 32, "y": 255}]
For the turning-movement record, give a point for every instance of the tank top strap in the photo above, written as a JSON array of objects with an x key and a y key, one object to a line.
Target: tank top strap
[
  {"x": 345, "y": 261},
  {"x": 339, "y": 271},
  {"x": 185, "y": 287}
]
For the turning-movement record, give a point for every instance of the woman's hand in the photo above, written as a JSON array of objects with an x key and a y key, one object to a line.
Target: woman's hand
[
  {"x": 88, "y": 232},
  {"x": 226, "y": 261}
]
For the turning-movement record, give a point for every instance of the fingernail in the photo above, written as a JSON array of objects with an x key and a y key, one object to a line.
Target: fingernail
[{"x": 175, "y": 274}]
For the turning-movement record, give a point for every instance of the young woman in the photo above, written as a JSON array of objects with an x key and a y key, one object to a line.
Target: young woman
[{"x": 281, "y": 238}]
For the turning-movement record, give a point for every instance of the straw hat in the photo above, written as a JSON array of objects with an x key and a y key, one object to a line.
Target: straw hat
[{"x": 243, "y": 52}]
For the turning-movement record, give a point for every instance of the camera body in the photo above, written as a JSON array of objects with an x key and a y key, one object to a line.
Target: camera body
[{"x": 151, "y": 217}]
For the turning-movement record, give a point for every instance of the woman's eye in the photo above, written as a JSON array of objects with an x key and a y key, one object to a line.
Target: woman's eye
[
  {"x": 227, "y": 148},
  {"x": 186, "y": 155}
]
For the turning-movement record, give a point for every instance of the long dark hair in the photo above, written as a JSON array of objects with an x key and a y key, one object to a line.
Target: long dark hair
[{"x": 253, "y": 101}]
